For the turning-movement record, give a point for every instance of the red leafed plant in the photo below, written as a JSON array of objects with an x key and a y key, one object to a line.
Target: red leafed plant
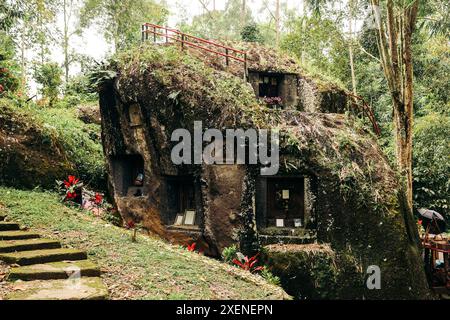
[
  {"x": 191, "y": 247},
  {"x": 248, "y": 264},
  {"x": 71, "y": 189},
  {"x": 98, "y": 199},
  {"x": 132, "y": 226}
]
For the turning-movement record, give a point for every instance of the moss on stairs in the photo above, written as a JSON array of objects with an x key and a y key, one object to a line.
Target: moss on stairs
[{"x": 46, "y": 271}]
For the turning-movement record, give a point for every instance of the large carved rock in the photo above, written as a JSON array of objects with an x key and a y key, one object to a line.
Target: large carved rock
[{"x": 353, "y": 196}]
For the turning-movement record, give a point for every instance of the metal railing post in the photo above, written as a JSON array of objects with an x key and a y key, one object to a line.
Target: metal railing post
[
  {"x": 227, "y": 60},
  {"x": 143, "y": 32},
  {"x": 245, "y": 67},
  {"x": 146, "y": 32},
  {"x": 154, "y": 34}
]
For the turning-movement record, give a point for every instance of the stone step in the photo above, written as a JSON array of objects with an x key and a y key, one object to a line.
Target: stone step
[
  {"x": 29, "y": 244},
  {"x": 26, "y": 258},
  {"x": 18, "y": 235},
  {"x": 78, "y": 289},
  {"x": 9, "y": 226},
  {"x": 55, "y": 270}
]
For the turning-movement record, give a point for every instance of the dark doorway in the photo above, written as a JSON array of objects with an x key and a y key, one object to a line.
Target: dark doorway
[
  {"x": 128, "y": 173},
  {"x": 281, "y": 202},
  {"x": 269, "y": 85}
]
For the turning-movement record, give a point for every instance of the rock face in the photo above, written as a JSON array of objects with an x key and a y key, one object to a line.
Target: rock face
[{"x": 334, "y": 185}]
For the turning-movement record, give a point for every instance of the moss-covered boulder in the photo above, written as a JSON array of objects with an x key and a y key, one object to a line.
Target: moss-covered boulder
[
  {"x": 29, "y": 155},
  {"x": 359, "y": 207}
]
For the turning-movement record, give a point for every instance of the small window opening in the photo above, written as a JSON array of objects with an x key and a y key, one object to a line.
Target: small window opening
[
  {"x": 182, "y": 209},
  {"x": 285, "y": 205},
  {"x": 129, "y": 176},
  {"x": 269, "y": 85}
]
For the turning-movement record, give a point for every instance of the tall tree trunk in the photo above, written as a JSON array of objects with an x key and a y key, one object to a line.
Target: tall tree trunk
[
  {"x": 395, "y": 47},
  {"x": 406, "y": 117}
]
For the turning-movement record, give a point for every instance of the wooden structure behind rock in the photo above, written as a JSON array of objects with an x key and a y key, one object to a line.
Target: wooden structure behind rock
[{"x": 334, "y": 186}]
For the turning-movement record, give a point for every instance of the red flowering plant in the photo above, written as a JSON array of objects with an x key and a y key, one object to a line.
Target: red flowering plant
[
  {"x": 191, "y": 247},
  {"x": 248, "y": 264},
  {"x": 71, "y": 190},
  {"x": 98, "y": 201},
  {"x": 131, "y": 225}
]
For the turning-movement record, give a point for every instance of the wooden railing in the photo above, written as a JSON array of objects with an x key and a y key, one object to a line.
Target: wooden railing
[{"x": 155, "y": 32}]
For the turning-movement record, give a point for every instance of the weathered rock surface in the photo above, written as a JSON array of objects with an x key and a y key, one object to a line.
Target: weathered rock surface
[
  {"x": 76, "y": 289},
  {"x": 55, "y": 270},
  {"x": 360, "y": 212},
  {"x": 26, "y": 245},
  {"x": 18, "y": 235},
  {"x": 9, "y": 226},
  {"x": 42, "y": 256}
]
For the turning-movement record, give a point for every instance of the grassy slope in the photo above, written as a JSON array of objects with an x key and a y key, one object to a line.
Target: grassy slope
[{"x": 148, "y": 269}]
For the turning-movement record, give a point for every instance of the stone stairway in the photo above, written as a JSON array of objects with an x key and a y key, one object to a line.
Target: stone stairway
[{"x": 42, "y": 270}]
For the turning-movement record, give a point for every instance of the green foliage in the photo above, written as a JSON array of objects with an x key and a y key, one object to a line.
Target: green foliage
[
  {"x": 121, "y": 20},
  {"x": 251, "y": 33},
  {"x": 230, "y": 253},
  {"x": 78, "y": 90},
  {"x": 100, "y": 74},
  {"x": 220, "y": 24},
  {"x": 8, "y": 68},
  {"x": 49, "y": 77},
  {"x": 321, "y": 43},
  {"x": 81, "y": 142},
  {"x": 9, "y": 13},
  {"x": 432, "y": 162},
  {"x": 113, "y": 216},
  {"x": 270, "y": 277}
]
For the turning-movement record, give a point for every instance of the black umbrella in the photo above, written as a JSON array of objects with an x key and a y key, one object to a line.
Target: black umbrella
[{"x": 434, "y": 220}]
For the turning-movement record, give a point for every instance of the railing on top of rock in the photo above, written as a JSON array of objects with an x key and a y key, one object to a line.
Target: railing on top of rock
[
  {"x": 157, "y": 32},
  {"x": 366, "y": 110}
]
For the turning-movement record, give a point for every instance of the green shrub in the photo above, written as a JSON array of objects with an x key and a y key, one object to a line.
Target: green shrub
[
  {"x": 82, "y": 143},
  {"x": 270, "y": 278},
  {"x": 229, "y": 253},
  {"x": 49, "y": 77}
]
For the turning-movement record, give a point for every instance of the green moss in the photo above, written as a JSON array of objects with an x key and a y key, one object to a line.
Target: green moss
[
  {"x": 65, "y": 144},
  {"x": 313, "y": 272}
]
